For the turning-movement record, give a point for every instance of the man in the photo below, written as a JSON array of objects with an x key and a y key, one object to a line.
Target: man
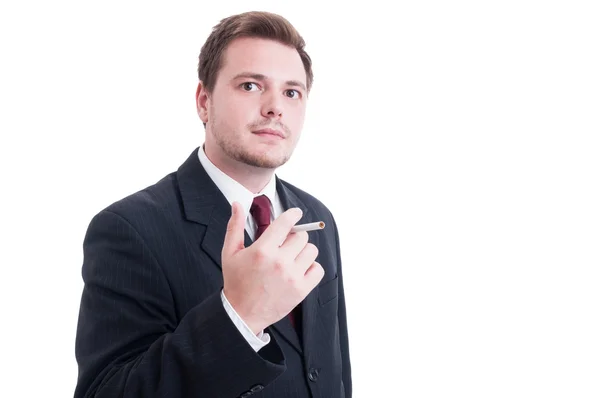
[{"x": 197, "y": 286}]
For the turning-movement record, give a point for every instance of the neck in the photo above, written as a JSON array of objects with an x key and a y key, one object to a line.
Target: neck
[{"x": 252, "y": 178}]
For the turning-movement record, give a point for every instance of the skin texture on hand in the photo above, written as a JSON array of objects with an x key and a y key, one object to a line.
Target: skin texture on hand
[{"x": 266, "y": 281}]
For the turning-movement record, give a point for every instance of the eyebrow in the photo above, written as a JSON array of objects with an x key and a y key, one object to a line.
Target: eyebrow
[{"x": 261, "y": 77}]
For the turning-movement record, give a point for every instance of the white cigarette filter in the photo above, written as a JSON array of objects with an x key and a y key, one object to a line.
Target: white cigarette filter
[{"x": 313, "y": 226}]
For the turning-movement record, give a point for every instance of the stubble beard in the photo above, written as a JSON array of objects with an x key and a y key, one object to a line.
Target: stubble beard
[{"x": 235, "y": 151}]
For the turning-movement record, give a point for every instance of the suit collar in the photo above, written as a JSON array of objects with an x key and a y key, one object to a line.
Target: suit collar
[
  {"x": 199, "y": 194},
  {"x": 231, "y": 189},
  {"x": 204, "y": 203}
]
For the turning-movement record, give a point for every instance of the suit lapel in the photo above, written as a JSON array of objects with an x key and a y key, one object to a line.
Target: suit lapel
[{"x": 205, "y": 204}]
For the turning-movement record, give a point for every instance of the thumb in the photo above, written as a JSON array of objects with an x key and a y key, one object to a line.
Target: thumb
[{"x": 234, "y": 237}]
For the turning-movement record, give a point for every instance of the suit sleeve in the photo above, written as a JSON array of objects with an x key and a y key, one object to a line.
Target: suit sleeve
[
  {"x": 129, "y": 341},
  {"x": 343, "y": 324}
]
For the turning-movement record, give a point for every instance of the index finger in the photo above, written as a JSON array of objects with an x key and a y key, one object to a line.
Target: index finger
[{"x": 280, "y": 228}]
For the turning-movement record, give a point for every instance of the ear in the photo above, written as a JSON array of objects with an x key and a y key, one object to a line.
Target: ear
[{"x": 202, "y": 102}]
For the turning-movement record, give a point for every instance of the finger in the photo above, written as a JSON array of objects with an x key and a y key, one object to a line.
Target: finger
[
  {"x": 280, "y": 228},
  {"x": 305, "y": 258},
  {"x": 314, "y": 274},
  {"x": 294, "y": 243},
  {"x": 234, "y": 236}
]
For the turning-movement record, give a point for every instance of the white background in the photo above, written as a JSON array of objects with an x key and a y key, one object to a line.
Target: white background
[{"x": 456, "y": 144}]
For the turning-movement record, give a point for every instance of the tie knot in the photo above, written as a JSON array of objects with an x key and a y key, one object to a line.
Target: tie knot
[{"x": 261, "y": 210}]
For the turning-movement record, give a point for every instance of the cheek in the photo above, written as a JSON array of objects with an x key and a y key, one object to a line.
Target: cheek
[
  {"x": 240, "y": 112},
  {"x": 226, "y": 111},
  {"x": 297, "y": 118}
]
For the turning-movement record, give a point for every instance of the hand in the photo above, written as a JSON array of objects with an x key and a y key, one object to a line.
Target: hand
[{"x": 267, "y": 280}]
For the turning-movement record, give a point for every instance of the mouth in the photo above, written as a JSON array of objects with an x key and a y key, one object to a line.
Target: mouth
[{"x": 269, "y": 132}]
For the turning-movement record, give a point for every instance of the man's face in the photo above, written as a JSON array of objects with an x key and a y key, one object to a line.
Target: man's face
[{"x": 256, "y": 110}]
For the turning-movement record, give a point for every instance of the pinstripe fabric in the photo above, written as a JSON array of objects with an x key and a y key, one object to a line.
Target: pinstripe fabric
[{"x": 151, "y": 320}]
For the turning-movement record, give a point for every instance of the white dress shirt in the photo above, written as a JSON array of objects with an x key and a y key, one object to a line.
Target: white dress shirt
[{"x": 236, "y": 192}]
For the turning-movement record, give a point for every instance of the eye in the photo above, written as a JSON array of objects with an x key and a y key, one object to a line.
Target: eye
[
  {"x": 249, "y": 86},
  {"x": 292, "y": 94}
]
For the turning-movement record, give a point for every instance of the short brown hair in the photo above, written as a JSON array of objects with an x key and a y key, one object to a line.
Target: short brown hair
[{"x": 257, "y": 24}]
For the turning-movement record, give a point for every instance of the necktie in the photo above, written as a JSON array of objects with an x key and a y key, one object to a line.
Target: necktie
[{"x": 261, "y": 211}]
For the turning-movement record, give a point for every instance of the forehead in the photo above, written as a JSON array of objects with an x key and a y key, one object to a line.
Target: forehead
[{"x": 261, "y": 56}]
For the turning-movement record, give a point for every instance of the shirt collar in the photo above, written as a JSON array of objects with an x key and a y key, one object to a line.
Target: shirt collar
[{"x": 233, "y": 190}]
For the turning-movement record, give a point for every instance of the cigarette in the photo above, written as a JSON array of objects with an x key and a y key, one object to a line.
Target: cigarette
[{"x": 313, "y": 226}]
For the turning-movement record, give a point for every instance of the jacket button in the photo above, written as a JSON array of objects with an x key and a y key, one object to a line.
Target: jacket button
[{"x": 313, "y": 374}]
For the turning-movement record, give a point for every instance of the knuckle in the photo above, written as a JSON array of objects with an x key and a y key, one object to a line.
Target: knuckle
[
  {"x": 260, "y": 254},
  {"x": 279, "y": 265},
  {"x": 291, "y": 281}
]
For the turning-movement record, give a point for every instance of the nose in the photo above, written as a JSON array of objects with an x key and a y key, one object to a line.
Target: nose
[{"x": 272, "y": 106}]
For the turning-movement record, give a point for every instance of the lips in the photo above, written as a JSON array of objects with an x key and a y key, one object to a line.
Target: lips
[{"x": 276, "y": 133}]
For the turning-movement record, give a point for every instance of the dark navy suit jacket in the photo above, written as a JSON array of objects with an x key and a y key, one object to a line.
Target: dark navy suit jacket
[{"x": 151, "y": 321}]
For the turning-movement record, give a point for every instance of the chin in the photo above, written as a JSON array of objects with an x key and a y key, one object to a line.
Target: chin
[{"x": 265, "y": 161}]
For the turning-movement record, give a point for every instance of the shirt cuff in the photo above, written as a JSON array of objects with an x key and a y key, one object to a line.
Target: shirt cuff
[{"x": 256, "y": 341}]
